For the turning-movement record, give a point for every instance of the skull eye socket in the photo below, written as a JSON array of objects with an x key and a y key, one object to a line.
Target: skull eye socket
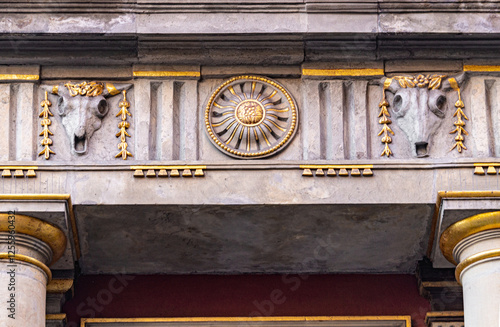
[
  {"x": 439, "y": 106},
  {"x": 102, "y": 108},
  {"x": 61, "y": 109},
  {"x": 397, "y": 103},
  {"x": 440, "y": 102}
]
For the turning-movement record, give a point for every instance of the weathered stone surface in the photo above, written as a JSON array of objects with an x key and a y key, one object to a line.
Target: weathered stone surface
[
  {"x": 86, "y": 72},
  {"x": 238, "y": 239}
]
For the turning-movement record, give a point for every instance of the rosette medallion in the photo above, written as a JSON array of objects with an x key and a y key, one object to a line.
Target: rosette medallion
[{"x": 251, "y": 117}]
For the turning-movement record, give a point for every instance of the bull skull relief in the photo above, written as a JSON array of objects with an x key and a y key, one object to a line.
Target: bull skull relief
[
  {"x": 82, "y": 108},
  {"x": 419, "y": 107}
]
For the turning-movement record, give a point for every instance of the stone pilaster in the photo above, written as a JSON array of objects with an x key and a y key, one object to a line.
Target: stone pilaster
[
  {"x": 473, "y": 244},
  {"x": 27, "y": 248}
]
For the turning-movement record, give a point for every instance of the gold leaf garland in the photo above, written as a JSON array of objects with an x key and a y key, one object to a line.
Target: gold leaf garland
[
  {"x": 432, "y": 82},
  {"x": 90, "y": 89},
  {"x": 123, "y": 125},
  {"x": 459, "y": 124},
  {"x": 46, "y": 122},
  {"x": 385, "y": 120}
]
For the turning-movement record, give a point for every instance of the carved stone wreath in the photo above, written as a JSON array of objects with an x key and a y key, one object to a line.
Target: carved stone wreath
[{"x": 251, "y": 117}]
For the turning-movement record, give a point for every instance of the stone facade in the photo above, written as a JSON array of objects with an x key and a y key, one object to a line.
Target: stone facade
[{"x": 253, "y": 137}]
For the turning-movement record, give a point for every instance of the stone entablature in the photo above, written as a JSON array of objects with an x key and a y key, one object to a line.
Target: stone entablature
[{"x": 162, "y": 116}]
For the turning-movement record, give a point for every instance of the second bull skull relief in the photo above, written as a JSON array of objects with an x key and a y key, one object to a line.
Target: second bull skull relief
[
  {"x": 82, "y": 107},
  {"x": 419, "y": 107}
]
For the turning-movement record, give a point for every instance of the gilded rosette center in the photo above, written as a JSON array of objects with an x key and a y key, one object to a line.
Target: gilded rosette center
[{"x": 250, "y": 113}]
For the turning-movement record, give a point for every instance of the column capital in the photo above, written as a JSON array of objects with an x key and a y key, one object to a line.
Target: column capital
[
  {"x": 464, "y": 228},
  {"x": 46, "y": 232}
]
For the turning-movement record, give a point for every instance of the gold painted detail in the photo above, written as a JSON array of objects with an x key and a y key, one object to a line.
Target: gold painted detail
[
  {"x": 42, "y": 230},
  {"x": 46, "y": 122},
  {"x": 343, "y": 72},
  {"x": 385, "y": 121},
  {"x": 334, "y": 170},
  {"x": 90, "y": 89},
  {"x": 403, "y": 321},
  {"x": 123, "y": 125},
  {"x": 55, "y": 316},
  {"x": 112, "y": 90},
  {"x": 168, "y": 171},
  {"x": 431, "y": 82},
  {"x": 459, "y": 124},
  {"x": 59, "y": 285},
  {"x": 474, "y": 259},
  {"x": 251, "y": 117},
  {"x": 19, "y": 171},
  {"x": 30, "y": 260},
  {"x": 406, "y": 320},
  {"x": 21, "y": 77},
  {"x": 491, "y": 168},
  {"x": 481, "y": 68},
  {"x": 465, "y": 228},
  {"x": 166, "y": 74},
  {"x": 250, "y": 113}
]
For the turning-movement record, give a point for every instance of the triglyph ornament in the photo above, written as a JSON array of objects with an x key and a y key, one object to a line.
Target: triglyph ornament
[{"x": 251, "y": 117}]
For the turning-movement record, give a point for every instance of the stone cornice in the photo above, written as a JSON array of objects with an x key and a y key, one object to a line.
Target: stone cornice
[{"x": 265, "y": 6}]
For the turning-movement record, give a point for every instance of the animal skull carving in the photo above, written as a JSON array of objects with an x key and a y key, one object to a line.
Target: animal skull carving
[
  {"x": 82, "y": 108},
  {"x": 419, "y": 107}
]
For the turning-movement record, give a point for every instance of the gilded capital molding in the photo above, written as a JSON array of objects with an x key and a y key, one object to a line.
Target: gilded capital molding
[
  {"x": 52, "y": 235},
  {"x": 465, "y": 228}
]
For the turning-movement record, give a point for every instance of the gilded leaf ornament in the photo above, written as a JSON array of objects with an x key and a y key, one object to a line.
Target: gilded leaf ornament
[{"x": 46, "y": 122}]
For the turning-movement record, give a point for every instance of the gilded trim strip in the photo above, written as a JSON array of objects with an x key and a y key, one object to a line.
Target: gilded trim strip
[
  {"x": 405, "y": 319},
  {"x": 474, "y": 259},
  {"x": 25, "y": 258},
  {"x": 166, "y": 74},
  {"x": 21, "y": 77},
  {"x": 343, "y": 72},
  {"x": 481, "y": 68},
  {"x": 19, "y": 167},
  {"x": 58, "y": 197},
  {"x": 494, "y": 164},
  {"x": 55, "y": 316}
]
